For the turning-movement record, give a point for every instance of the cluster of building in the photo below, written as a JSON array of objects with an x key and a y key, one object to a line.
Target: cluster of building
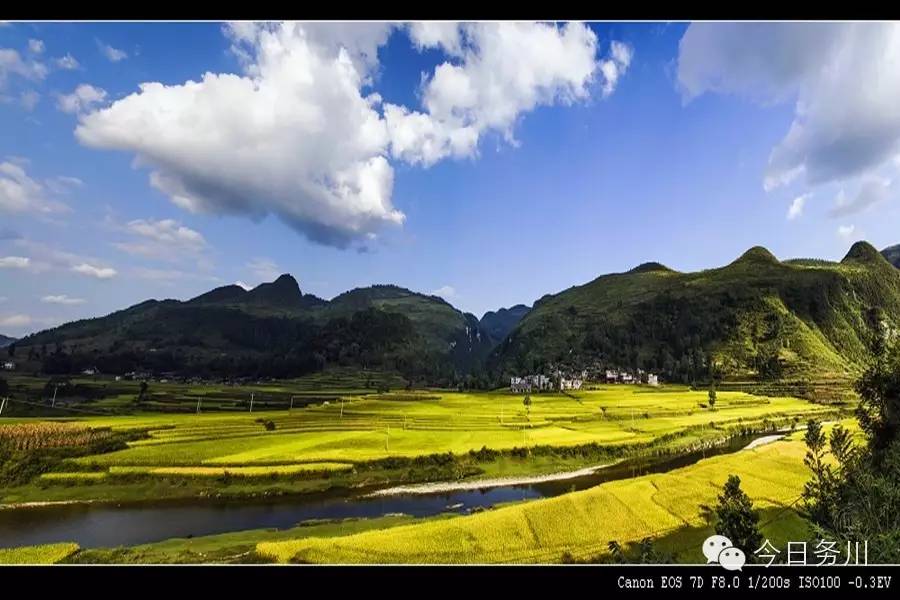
[
  {"x": 9, "y": 366},
  {"x": 616, "y": 376},
  {"x": 575, "y": 381}
]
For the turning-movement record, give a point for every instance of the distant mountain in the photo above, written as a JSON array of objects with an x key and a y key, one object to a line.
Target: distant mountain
[
  {"x": 6, "y": 341},
  {"x": 272, "y": 330},
  {"x": 756, "y": 318},
  {"x": 892, "y": 254},
  {"x": 499, "y": 323}
]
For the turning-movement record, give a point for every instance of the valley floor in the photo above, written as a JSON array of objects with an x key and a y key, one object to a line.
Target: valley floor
[{"x": 375, "y": 441}]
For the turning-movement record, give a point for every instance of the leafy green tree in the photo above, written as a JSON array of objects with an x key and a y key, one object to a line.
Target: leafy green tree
[
  {"x": 712, "y": 395},
  {"x": 879, "y": 391},
  {"x": 527, "y": 403},
  {"x": 142, "y": 393},
  {"x": 737, "y": 520}
]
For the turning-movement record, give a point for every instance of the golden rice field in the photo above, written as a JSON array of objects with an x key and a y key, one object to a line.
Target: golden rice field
[
  {"x": 385, "y": 425},
  {"x": 37, "y": 555},
  {"x": 579, "y": 524}
]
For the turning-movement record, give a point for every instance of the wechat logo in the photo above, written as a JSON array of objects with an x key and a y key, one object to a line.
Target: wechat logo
[{"x": 719, "y": 549}]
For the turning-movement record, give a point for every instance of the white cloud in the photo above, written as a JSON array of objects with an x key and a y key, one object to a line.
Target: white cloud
[
  {"x": 872, "y": 191},
  {"x": 293, "y": 137},
  {"x": 62, "y": 299},
  {"x": 36, "y": 46},
  {"x": 796, "y": 209},
  {"x": 246, "y": 286},
  {"x": 84, "y": 98},
  {"x": 94, "y": 271},
  {"x": 845, "y": 231},
  {"x": 63, "y": 184},
  {"x": 111, "y": 54},
  {"x": 15, "y": 321},
  {"x": 844, "y": 79},
  {"x": 29, "y": 99},
  {"x": 447, "y": 292},
  {"x": 11, "y": 63},
  {"x": 165, "y": 239},
  {"x": 614, "y": 68},
  {"x": 502, "y": 71},
  {"x": 19, "y": 193},
  {"x": 14, "y": 262},
  {"x": 264, "y": 268},
  {"x": 67, "y": 63}
]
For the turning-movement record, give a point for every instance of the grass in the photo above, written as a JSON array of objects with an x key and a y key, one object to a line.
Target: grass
[
  {"x": 37, "y": 555},
  {"x": 578, "y": 524}
]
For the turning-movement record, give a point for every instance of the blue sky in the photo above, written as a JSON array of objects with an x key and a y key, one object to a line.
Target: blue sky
[{"x": 585, "y": 159}]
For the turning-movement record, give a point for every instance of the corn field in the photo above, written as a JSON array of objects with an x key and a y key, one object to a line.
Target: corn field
[{"x": 35, "y": 436}]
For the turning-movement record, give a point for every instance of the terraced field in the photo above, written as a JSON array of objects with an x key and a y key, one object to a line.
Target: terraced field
[
  {"x": 385, "y": 425},
  {"x": 580, "y": 524}
]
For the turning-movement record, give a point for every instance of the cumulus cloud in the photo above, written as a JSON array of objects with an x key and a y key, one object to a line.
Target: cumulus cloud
[
  {"x": 501, "y": 71},
  {"x": 293, "y": 136},
  {"x": 94, "y": 271},
  {"x": 843, "y": 78},
  {"x": 872, "y": 191},
  {"x": 796, "y": 208},
  {"x": 111, "y": 54},
  {"x": 84, "y": 98},
  {"x": 67, "y": 63},
  {"x": 243, "y": 285},
  {"x": 19, "y": 193},
  {"x": 36, "y": 46},
  {"x": 14, "y": 262},
  {"x": 62, "y": 299},
  {"x": 296, "y": 136},
  {"x": 165, "y": 239},
  {"x": 12, "y": 63}
]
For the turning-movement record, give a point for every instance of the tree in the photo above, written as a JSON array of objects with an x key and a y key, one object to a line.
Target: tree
[
  {"x": 527, "y": 403},
  {"x": 4, "y": 388},
  {"x": 11, "y": 350},
  {"x": 737, "y": 520},
  {"x": 879, "y": 391},
  {"x": 712, "y": 395},
  {"x": 615, "y": 550},
  {"x": 143, "y": 391}
]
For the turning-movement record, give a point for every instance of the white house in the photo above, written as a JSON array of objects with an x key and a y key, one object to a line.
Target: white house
[
  {"x": 9, "y": 366},
  {"x": 529, "y": 383},
  {"x": 652, "y": 379},
  {"x": 91, "y": 371}
]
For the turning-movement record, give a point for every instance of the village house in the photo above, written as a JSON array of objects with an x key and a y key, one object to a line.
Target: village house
[
  {"x": 652, "y": 379},
  {"x": 9, "y": 366},
  {"x": 529, "y": 383}
]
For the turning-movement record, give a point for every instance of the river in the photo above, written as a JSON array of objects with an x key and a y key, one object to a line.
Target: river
[{"x": 106, "y": 525}]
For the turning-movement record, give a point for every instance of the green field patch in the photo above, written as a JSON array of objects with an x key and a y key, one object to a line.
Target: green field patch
[{"x": 37, "y": 555}]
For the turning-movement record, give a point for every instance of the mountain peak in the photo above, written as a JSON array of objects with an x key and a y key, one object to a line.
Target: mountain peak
[
  {"x": 651, "y": 267},
  {"x": 284, "y": 292},
  {"x": 862, "y": 252},
  {"x": 757, "y": 254}
]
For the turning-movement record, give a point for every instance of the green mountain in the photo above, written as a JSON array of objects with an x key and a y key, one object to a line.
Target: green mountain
[
  {"x": 756, "y": 318},
  {"x": 271, "y": 330},
  {"x": 499, "y": 323},
  {"x": 6, "y": 341},
  {"x": 892, "y": 254}
]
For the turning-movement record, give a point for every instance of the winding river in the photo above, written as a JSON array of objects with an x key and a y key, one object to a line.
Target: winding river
[{"x": 105, "y": 525}]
